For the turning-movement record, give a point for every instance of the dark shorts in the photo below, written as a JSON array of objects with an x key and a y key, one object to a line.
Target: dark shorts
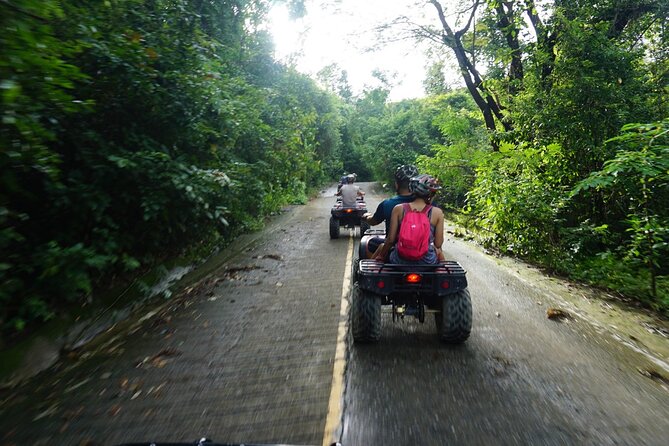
[
  {"x": 372, "y": 243},
  {"x": 375, "y": 242}
]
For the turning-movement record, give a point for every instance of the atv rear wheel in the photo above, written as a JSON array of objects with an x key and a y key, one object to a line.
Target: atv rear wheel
[
  {"x": 366, "y": 315},
  {"x": 454, "y": 322},
  {"x": 334, "y": 228}
]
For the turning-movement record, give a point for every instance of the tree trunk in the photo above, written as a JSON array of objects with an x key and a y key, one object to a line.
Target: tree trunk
[{"x": 484, "y": 99}]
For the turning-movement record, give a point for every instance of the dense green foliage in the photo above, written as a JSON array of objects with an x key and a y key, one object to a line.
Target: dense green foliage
[
  {"x": 570, "y": 183},
  {"x": 133, "y": 129},
  {"x": 543, "y": 146},
  {"x": 636, "y": 180}
]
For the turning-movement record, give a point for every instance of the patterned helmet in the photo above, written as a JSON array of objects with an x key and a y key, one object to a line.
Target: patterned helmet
[
  {"x": 405, "y": 172},
  {"x": 350, "y": 178},
  {"x": 423, "y": 185}
]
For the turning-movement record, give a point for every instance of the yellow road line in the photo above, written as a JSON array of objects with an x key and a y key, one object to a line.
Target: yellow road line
[{"x": 337, "y": 391}]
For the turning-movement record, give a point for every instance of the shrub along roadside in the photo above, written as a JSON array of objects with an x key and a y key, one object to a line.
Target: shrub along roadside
[{"x": 634, "y": 255}]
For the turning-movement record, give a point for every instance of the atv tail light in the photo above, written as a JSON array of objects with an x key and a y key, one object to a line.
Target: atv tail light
[
  {"x": 381, "y": 284},
  {"x": 348, "y": 211},
  {"x": 413, "y": 278},
  {"x": 445, "y": 284}
]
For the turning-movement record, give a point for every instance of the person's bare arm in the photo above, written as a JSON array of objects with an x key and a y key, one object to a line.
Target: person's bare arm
[
  {"x": 392, "y": 233},
  {"x": 439, "y": 233},
  {"x": 439, "y": 228},
  {"x": 369, "y": 218}
]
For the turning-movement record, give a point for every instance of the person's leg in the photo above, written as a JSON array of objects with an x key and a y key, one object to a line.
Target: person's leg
[
  {"x": 372, "y": 245},
  {"x": 377, "y": 251}
]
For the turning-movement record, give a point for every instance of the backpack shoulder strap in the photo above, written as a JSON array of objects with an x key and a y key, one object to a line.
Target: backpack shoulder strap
[{"x": 427, "y": 209}]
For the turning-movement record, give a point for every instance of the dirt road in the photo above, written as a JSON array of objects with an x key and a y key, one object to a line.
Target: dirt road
[{"x": 257, "y": 352}]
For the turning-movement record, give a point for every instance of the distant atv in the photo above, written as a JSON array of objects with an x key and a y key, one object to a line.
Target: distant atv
[
  {"x": 348, "y": 217},
  {"x": 410, "y": 290}
]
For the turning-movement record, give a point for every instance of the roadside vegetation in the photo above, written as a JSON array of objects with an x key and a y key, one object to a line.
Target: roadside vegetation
[
  {"x": 558, "y": 146},
  {"x": 132, "y": 131}
]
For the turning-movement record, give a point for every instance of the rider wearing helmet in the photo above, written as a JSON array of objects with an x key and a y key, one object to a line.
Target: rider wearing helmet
[
  {"x": 349, "y": 192},
  {"x": 402, "y": 176},
  {"x": 423, "y": 188},
  {"x": 343, "y": 180}
]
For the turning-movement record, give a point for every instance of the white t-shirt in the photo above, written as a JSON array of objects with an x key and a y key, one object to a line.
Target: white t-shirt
[{"x": 349, "y": 192}]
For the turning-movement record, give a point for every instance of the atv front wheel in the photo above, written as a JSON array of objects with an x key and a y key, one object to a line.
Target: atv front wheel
[
  {"x": 454, "y": 322},
  {"x": 366, "y": 315},
  {"x": 364, "y": 227},
  {"x": 334, "y": 228}
]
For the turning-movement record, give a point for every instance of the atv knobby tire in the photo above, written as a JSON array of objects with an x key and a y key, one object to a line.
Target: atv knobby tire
[
  {"x": 366, "y": 315},
  {"x": 364, "y": 226},
  {"x": 334, "y": 228},
  {"x": 454, "y": 322}
]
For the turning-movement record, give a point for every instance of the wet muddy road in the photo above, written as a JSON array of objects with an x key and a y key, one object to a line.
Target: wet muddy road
[{"x": 257, "y": 352}]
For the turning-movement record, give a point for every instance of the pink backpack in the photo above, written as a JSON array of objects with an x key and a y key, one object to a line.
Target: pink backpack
[{"x": 414, "y": 237}]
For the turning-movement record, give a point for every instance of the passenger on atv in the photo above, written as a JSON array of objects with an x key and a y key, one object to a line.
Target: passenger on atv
[
  {"x": 423, "y": 188},
  {"x": 344, "y": 180},
  {"x": 402, "y": 176}
]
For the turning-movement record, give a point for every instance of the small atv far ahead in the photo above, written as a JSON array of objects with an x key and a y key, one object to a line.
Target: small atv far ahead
[{"x": 348, "y": 217}]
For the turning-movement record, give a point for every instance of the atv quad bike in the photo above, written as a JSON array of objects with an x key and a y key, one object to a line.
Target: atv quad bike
[
  {"x": 410, "y": 290},
  {"x": 347, "y": 217}
]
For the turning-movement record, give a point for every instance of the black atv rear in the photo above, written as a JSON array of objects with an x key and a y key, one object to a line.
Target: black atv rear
[
  {"x": 411, "y": 290},
  {"x": 348, "y": 217}
]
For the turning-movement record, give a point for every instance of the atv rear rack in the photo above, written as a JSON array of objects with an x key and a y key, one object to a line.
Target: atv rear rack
[{"x": 387, "y": 278}]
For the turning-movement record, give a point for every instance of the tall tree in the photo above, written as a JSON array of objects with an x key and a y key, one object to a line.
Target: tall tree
[{"x": 528, "y": 37}]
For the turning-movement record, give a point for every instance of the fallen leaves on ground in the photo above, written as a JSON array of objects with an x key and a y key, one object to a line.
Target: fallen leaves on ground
[
  {"x": 656, "y": 329},
  {"x": 276, "y": 257},
  {"x": 77, "y": 385},
  {"x": 557, "y": 314},
  {"x": 239, "y": 269},
  {"x": 159, "y": 359},
  {"x": 500, "y": 365},
  {"x": 50, "y": 411},
  {"x": 654, "y": 375}
]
